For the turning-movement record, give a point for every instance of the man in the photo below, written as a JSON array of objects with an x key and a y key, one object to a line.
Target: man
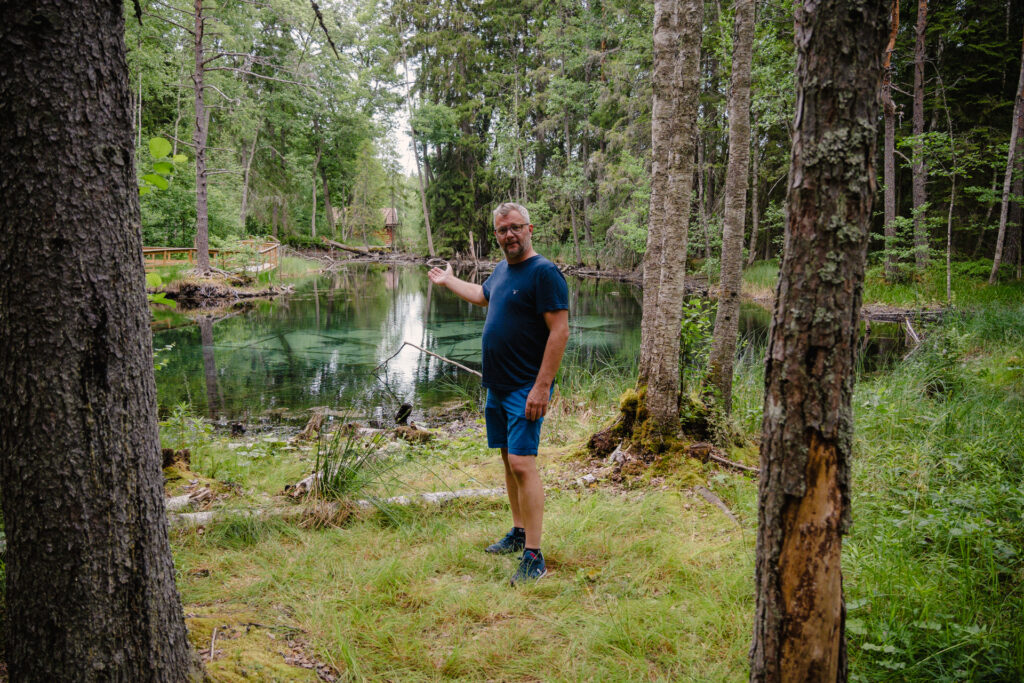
[{"x": 524, "y": 337}]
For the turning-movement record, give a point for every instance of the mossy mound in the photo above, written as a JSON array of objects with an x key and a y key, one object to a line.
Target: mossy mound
[{"x": 247, "y": 648}]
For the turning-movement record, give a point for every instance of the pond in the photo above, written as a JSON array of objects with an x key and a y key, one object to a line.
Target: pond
[{"x": 322, "y": 345}]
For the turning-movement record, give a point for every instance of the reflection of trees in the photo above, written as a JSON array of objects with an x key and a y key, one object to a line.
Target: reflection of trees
[
  {"x": 213, "y": 397},
  {"x": 296, "y": 353}
]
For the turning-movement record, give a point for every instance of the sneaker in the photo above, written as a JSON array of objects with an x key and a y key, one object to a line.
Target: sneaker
[
  {"x": 531, "y": 568},
  {"x": 511, "y": 543}
]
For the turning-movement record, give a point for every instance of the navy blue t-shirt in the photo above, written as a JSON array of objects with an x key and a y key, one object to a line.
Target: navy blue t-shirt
[{"x": 515, "y": 333}]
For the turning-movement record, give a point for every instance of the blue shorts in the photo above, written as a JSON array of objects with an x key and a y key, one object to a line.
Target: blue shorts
[{"x": 507, "y": 426}]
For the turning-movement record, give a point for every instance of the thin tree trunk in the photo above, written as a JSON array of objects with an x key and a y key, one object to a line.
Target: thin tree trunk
[
  {"x": 920, "y": 171},
  {"x": 675, "y": 76},
  {"x": 952, "y": 195},
  {"x": 701, "y": 212},
  {"x": 202, "y": 239},
  {"x": 244, "y": 213},
  {"x": 416, "y": 156},
  {"x": 889, "y": 152},
  {"x": 727, "y": 318},
  {"x": 89, "y": 577},
  {"x": 328, "y": 209},
  {"x": 273, "y": 219},
  {"x": 804, "y": 494},
  {"x": 755, "y": 208},
  {"x": 586, "y": 195},
  {"x": 312, "y": 218},
  {"x": 1018, "y": 121},
  {"x": 568, "y": 157}
]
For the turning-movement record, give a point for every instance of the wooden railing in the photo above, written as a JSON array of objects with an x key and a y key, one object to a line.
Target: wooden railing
[{"x": 266, "y": 256}]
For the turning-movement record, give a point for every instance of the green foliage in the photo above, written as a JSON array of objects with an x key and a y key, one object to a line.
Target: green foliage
[
  {"x": 346, "y": 464},
  {"x": 153, "y": 280},
  {"x": 163, "y": 165},
  {"x": 934, "y": 586},
  {"x": 181, "y": 429}
]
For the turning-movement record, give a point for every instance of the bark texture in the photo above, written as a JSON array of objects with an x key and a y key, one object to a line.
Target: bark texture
[
  {"x": 889, "y": 153},
  {"x": 90, "y": 581},
  {"x": 919, "y": 170},
  {"x": 755, "y": 212},
  {"x": 804, "y": 504},
  {"x": 199, "y": 136},
  {"x": 1018, "y": 121},
  {"x": 727, "y": 318},
  {"x": 677, "y": 35}
]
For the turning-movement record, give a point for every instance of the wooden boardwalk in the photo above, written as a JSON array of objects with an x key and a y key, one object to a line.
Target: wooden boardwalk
[{"x": 264, "y": 256}]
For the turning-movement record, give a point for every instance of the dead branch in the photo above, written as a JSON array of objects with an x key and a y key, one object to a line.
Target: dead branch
[
  {"x": 320, "y": 18},
  {"x": 710, "y": 497},
  {"x": 429, "y": 353},
  {"x": 256, "y": 75}
]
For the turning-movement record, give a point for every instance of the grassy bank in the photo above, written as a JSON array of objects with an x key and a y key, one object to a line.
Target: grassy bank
[
  {"x": 969, "y": 282},
  {"x": 648, "y": 581}
]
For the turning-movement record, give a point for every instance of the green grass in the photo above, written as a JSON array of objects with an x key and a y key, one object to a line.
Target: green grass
[
  {"x": 653, "y": 587},
  {"x": 650, "y": 583},
  {"x": 935, "y": 563},
  {"x": 969, "y": 284},
  {"x": 759, "y": 279},
  {"x": 289, "y": 267}
]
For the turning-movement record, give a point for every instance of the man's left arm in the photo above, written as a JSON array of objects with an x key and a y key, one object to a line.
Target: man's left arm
[{"x": 558, "y": 336}]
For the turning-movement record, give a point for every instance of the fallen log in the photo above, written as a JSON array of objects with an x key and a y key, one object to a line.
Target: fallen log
[
  {"x": 362, "y": 251},
  {"x": 192, "y": 519}
]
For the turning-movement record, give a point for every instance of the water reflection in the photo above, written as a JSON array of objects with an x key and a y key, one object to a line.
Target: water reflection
[{"x": 321, "y": 345}]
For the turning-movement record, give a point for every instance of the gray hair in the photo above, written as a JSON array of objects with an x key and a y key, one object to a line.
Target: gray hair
[{"x": 508, "y": 207}]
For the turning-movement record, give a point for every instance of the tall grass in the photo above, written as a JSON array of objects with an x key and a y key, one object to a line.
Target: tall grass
[{"x": 935, "y": 563}]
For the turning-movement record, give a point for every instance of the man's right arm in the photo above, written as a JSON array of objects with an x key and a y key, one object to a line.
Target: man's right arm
[{"x": 468, "y": 291}]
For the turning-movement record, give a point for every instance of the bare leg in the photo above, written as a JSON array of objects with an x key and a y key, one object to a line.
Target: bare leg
[
  {"x": 531, "y": 495},
  {"x": 512, "y": 487}
]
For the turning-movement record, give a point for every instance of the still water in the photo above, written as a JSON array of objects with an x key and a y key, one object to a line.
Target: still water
[{"x": 320, "y": 346}]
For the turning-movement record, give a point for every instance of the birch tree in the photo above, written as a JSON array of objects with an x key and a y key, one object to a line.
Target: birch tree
[
  {"x": 677, "y": 35},
  {"x": 723, "y": 340}
]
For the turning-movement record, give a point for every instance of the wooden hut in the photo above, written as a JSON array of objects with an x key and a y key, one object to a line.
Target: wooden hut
[{"x": 387, "y": 235}]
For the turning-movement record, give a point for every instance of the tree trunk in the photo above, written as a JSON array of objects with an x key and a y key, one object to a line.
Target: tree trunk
[
  {"x": 701, "y": 211},
  {"x": 273, "y": 219},
  {"x": 586, "y": 195},
  {"x": 89, "y": 576},
  {"x": 312, "y": 218},
  {"x": 727, "y": 318},
  {"x": 328, "y": 209},
  {"x": 247, "y": 162},
  {"x": 1018, "y": 121},
  {"x": 755, "y": 209},
  {"x": 804, "y": 496},
  {"x": 416, "y": 156},
  {"x": 677, "y": 34},
  {"x": 920, "y": 171},
  {"x": 889, "y": 152},
  {"x": 202, "y": 239}
]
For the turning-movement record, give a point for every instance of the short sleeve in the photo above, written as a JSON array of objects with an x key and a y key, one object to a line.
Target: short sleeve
[
  {"x": 552, "y": 290},
  {"x": 487, "y": 286}
]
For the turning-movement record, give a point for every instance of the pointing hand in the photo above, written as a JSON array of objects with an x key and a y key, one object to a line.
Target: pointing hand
[{"x": 440, "y": 277}]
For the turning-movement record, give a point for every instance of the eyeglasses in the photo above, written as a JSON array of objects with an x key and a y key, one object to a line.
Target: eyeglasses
[{"x": 517, "y": 229}]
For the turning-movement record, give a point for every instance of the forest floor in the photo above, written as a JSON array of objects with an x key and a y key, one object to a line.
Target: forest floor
[{"x": 648, "y": 580}]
